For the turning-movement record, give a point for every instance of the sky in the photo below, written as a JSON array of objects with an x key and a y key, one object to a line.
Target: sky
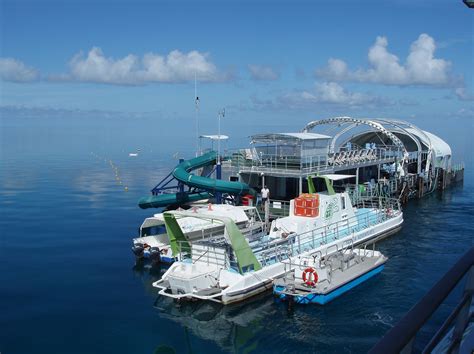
[{"x": 263, "y": 61}]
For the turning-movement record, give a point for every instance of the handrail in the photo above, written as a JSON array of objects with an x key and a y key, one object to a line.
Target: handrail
[
  {"x": 402, "y": 335},
  {"x": 384, "y": 209},
  {"x": 302, "y": 240},
  {"x": 267, "y": 161}
]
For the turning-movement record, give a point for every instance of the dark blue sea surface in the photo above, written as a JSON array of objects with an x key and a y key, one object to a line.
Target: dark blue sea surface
[{"x": 68, "y": 283}]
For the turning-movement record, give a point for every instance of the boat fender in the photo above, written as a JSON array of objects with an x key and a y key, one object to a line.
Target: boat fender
[{"x": 310, "y": 277}]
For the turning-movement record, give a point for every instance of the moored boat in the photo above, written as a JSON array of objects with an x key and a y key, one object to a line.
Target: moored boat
[
  {"x": 320, "y": 279},
  {"x": 228, "y": 267},
  {"x": 154, "y": 244}
]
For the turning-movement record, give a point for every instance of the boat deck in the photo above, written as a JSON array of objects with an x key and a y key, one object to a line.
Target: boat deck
[{"x": 273, "y": 251}]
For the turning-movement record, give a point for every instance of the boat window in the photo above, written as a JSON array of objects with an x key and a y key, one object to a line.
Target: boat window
[
  {"x": 319, "y": 185},
  {"x": 343, "y": 202},
  {"x": 153, "y": 230}
]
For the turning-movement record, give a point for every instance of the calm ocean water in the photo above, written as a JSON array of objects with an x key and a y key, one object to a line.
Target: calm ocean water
[{"x": 68, "y": 282}]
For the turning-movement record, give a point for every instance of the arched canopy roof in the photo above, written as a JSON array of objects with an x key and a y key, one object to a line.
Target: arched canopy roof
[{"x": 404, "y": 135}]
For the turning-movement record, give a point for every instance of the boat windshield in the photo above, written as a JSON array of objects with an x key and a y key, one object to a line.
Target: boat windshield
[{"x": 152, "y": 230}]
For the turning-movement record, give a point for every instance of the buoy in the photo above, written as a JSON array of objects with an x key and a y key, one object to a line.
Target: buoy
[{"x": 126, "y": 189}]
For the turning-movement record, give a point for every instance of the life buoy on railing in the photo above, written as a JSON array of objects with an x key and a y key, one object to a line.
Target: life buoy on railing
[{"x": 310, "y": 277}]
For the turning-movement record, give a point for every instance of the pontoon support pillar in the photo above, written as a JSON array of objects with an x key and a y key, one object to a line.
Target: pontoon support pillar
[{"x": 357, "y": 181}]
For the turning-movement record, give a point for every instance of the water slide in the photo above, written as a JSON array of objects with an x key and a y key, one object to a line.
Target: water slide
[{"x": 182, "y": 173}]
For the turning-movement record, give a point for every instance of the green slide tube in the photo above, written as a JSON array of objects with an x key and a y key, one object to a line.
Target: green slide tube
[{"x": 182, "y": 173}]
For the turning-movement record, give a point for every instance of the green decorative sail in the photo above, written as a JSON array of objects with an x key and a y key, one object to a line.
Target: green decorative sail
[
  {"x": 246, "y": 259},
  {"x": 178, "y": 241}
]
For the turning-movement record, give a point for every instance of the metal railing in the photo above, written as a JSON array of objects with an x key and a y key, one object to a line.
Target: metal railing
[
  {"x": 378, "y": 210},
  {"x": 401, "y": 338},
  {"x": 357, "y": 156},
  {"x": 210, "y": 247},
  {"x": 457, "y": 167},
  {"x": 279, "y": 208},
  {"x": 253, "y": 161},
  {"x": 270, "y": 250}
]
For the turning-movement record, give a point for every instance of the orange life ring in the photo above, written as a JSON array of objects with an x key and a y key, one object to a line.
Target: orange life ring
[{"x": 310, "y": 277}]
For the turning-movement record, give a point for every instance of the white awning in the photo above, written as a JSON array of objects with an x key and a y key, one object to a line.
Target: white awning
[
  {"x": 215, "y": 137},
  {"x": 336, "y": 177},
  {"x": 149, "y": 222}
]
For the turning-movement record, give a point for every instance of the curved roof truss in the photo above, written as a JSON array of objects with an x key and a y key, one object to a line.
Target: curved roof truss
[{"x": 375, "y": 124}]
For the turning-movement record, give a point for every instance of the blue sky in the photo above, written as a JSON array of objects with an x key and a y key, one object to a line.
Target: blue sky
[{"x": 261, "y": 60}]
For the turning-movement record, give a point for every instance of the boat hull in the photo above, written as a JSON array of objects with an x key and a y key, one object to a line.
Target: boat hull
[
  {"x": 263, "y": 283},
  {"x": 322, "y": 299},
  {"x": 254, "y": 283}
]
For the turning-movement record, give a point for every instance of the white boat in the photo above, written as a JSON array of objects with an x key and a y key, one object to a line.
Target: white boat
[
  {"x": 324, "y": 277},
  {"x": 155, "y": 245},
  {"x": 229, "y": 267}
]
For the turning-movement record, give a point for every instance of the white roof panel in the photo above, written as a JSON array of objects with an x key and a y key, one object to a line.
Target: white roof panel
[
  {"x": 336, "y": 177},
  {"x": 215, "y": 137},
  {"x": 307, "y": 136},
  {"x": 289, "y": 136}
]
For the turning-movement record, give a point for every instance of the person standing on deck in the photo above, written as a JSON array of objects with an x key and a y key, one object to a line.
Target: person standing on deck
[{"x": 265, "y": 195}]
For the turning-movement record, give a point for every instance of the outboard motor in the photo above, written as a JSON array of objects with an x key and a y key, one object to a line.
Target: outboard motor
[
  {"x": 155, "y": 255},
  {"x": 138, "y": 249}
]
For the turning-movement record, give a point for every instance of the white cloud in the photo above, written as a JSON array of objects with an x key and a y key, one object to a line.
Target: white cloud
[
  {"x": 420, "y": 67},
  {"x": 463, "y": 95},
  {"x": 465, "y": 113},
  {"x": 330, "y": 93},
  {"x": 262, "y": 73},
  {"x": 131, "y": 70},
  {"x": 16, "y": 71}
]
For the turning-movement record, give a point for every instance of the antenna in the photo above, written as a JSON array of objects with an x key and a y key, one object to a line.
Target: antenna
[
  {"x": 220, "y": 114},
  {"x": 196, "y": 114}
]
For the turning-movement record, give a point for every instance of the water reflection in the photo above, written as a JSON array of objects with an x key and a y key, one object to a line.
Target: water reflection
[{"x": 232, "y": 327}]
